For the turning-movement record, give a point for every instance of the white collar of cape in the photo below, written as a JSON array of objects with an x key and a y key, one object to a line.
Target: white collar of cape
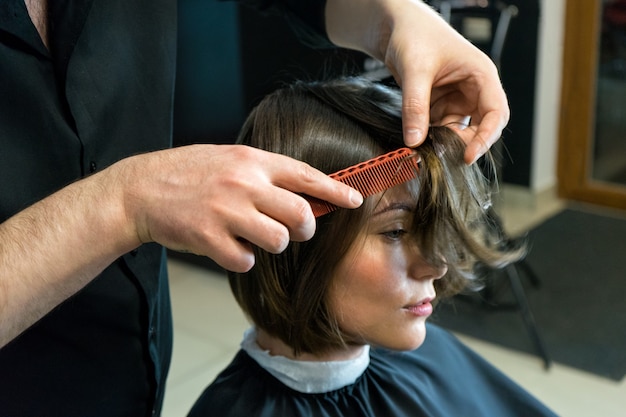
[{"x": 308, "y": 377}]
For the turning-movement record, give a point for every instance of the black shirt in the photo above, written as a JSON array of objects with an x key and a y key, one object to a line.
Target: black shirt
[{"x": 102, "y": 92}]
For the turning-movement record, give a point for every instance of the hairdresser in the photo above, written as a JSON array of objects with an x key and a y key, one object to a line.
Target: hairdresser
[{"x": 89, "y": 195}]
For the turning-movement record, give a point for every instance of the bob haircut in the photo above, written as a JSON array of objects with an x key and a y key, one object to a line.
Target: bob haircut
[{"x": 332, "y": 125}]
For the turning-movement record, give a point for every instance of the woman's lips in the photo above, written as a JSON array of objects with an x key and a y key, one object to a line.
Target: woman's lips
[{"x": 423, "y": 308}]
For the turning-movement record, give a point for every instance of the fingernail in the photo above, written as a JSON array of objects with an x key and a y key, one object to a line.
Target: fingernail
[
  {"x": 413, "y": 137},
  {"x": 356, "y": 198}
]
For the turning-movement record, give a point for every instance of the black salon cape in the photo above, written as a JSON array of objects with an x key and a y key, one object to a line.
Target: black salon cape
[{"x": 441, "y": 378}]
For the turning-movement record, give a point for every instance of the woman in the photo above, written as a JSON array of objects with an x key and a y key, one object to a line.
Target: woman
[{"x": 369, "y": 277}]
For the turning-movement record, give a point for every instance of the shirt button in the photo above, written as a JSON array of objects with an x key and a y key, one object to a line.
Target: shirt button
[
  {"x": 151, "y": 332},
  {"x": 93, "y": 166}
]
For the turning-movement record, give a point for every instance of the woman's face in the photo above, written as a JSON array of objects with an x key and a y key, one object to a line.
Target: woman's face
[{"x": 382, "y": 290}]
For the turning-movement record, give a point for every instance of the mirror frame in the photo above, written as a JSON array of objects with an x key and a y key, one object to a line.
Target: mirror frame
[{"x": 578, "y": 103}]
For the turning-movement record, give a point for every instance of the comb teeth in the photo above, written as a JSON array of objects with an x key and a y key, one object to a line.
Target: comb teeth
[{"x": 372, "y": 176}]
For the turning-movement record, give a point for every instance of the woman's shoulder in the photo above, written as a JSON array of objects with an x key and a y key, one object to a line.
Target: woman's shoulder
[
  {"x": 452, "y": 379},
  {"x": 224, "y": 390},
  {"x": 440, "y": 347}
]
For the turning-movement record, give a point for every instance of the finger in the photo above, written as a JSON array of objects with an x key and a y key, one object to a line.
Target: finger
[
  {"x": 494, "y": 113},
  {"x": 232, "y": 254},
  {"x": 451, "y": 106},
  {"x": 488, "y": 132},
  {"x": 231, "y": 245},
  {"x": 261, "y": 230},
  {"x": 456, "y": 121},
  {"x": 290, "y": 210},
  {"x": 416, "y": 90},
  {"x": 270, "y": 217},
  {"x": 302, "y": 178},
  {"x": 489, "y": 115}
]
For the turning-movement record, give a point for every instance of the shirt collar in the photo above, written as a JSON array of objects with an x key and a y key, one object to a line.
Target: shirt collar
[
  {"x": 15, "y": 21},
  {"x": 307, "y": 376}
]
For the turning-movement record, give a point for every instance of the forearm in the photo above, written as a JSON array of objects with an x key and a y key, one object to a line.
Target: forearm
[
  {"x": 367, "y": 25},
  {"x": 52, "y": 249}
]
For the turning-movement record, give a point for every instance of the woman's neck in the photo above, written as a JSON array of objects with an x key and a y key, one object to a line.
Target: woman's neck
[{"x": 277, "y": 347}]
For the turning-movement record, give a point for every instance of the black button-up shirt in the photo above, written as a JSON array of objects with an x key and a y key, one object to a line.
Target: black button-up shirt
[{"x": 103, "y": 91}]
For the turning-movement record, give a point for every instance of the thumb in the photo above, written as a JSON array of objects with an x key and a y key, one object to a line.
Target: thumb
[{"x": 415, "y": 110}]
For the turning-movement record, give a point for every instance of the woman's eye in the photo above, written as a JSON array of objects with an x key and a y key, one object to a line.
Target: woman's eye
[{"x": 395, "y": 234}]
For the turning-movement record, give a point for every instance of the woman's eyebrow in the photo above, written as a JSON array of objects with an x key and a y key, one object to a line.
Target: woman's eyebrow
[{"x": 398, "y": 205}]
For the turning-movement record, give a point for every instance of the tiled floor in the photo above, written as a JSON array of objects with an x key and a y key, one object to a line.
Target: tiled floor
[{"x": 208, "y": 326}]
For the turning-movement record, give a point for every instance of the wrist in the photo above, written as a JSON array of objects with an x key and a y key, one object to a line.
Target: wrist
[
  {"x": 119, "y": 211},
  {"x": 355, "y": 26},
  {"x": 367, "y": 25}
]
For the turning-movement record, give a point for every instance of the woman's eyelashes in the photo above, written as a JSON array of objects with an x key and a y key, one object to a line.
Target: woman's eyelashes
[
  {"x": 393, "y": 220},
  {"x": 395, "y": 234},
  {"x": 395, "y": 229}
]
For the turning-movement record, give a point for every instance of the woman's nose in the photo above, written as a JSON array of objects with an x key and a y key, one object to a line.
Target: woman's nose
[{"x": 423, "y": 269}]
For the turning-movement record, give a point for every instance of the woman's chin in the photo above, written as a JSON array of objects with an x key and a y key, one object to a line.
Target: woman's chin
[{"x": 410, "y": 341}]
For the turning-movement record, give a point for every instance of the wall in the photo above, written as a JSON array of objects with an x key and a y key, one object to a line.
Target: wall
[
  {"x": 548, "y": 95},
  {"x": 229, "y": 57},
  {"x": 208, "y": 105}
]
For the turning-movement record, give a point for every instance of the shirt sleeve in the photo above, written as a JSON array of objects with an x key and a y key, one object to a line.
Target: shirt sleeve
[{"x": 306, "y": 18}]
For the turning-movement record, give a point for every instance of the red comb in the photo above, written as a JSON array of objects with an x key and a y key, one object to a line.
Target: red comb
[{"x": 373, "y": 176}]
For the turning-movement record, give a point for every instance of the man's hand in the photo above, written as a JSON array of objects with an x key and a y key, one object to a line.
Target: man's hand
[
  {"x": 213, "y": 200},
  {"x": 444, "y": 78},
  {"x": 217, "y": 200}
]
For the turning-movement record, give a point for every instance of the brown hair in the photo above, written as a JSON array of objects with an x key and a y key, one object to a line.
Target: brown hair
[{"x": 332, "y": 125}]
